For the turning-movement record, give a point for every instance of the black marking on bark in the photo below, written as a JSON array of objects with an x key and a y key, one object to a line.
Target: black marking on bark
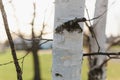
[
  {"x": 96, "y": 72},
  {"x": 58, "y": 75},
  {"x": 70, "y": 26},
  {"x": 95, "y": 61}
]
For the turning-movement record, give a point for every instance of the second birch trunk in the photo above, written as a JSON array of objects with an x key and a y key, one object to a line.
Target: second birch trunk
[{"x": 96, "y": 71}]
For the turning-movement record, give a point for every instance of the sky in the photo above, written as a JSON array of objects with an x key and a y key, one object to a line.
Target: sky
[
  {"x": 20, "y": 16},
  {"x": 113, "y": 23},
  {"x": 113, "y": 17}
]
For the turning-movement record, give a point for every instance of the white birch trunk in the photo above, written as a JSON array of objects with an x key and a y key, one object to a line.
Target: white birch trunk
[
  {"x": 67, "y": 46},
  {"x": 99, "y": 29}
]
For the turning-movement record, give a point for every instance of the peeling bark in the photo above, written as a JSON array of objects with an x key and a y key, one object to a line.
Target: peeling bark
[{"x": 68, "y": 40}]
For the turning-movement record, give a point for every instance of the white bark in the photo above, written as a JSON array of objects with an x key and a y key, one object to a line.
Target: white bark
[
  {"x": 67, "y": 47},
  {"x": 99, "y": 29}
]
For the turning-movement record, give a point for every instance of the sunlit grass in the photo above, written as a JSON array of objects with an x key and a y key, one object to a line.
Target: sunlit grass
[
  {"x": 113, "y": 70},
  {"x": 7, "y": 72}
]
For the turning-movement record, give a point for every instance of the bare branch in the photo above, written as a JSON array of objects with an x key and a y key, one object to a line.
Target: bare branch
[
  {"x": 20, "y": 36},
  {"x": 102, "y": 53},
  {"x": 17, "y": 66},
  {"x": 91, "y": 30},
  {"x": 116, "y": 41},
  {"x": 47, "y": 40},
  {"x": 17, "y": 60}
]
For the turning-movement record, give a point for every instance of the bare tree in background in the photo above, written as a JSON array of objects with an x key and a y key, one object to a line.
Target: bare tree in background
[
  {"x": 34, "y": 44},
  {"x": 34, "y": 41},
  {"x": 97, "y": 43},
  {"x": 35, "y": 48}
]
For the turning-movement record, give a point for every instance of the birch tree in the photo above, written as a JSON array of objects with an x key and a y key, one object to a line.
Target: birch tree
[
  {"x": 68, "y": 40},
  {"x": 97, "y": 69}
]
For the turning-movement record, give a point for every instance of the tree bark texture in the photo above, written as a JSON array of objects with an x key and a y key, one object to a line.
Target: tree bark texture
[
  {"x": 17, "y": 66},
  {"x": 96, "y": 71},
  {"x": 35, "y": 48},
  {"x": 37, "y": 75},
  {"x": 67, "y": 44}
]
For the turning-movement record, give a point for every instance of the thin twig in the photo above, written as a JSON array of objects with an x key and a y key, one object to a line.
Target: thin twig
[
  {"x": 91, "y": 30},
  {"x": 23, "y": 58},
  {"x": 13, "y": 61},
  {"x": 19, "y": 35},
  {"x": 44, "y": 42}
]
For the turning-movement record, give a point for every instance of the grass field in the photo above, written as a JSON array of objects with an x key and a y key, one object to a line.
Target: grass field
[{"x": 7, "y": 72}]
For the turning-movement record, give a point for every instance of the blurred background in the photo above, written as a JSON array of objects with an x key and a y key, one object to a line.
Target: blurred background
[{"x": 23, "y": 15}]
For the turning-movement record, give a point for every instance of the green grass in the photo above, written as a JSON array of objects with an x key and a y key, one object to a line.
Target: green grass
[{"x": 7, "y": 72}]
